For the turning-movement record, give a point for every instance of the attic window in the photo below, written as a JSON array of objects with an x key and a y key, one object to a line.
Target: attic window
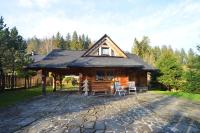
[
  {"x": 104, "y": 51},
  {"x": 112, "y": 53}
]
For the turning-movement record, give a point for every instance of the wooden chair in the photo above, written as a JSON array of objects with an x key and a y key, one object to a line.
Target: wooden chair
[
  {"x": 132, "y": 87},
  {"x": 118, "y": 89}
]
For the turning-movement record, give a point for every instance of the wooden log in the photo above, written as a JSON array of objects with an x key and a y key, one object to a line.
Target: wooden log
[
  {"x": 54, "y": 82},
  {"x": 60, "y": 81},
  {"x": 80, "y": 82},
  {"x": 44, "y": 82}
]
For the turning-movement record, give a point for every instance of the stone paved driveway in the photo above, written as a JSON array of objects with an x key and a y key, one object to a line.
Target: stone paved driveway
[{"x": 62, "y": 112}]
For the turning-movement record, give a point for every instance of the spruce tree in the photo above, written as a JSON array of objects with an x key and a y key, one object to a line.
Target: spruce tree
[
  {"x": 87, "y": 42},
  {"x": 74, "y": 42},
  {"x": 68, "y": 41},
  {"x": 170, "y": 70},
  {"x": 193, "y": 73},
  {"x": 80, "y": 43}
]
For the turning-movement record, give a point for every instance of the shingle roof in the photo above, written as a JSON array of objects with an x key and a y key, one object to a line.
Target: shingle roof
[
  {"x": 37, "y": 57},
  {"x": 66, "y": 58},
  {"x": 57, "y": 58},
  {"x": 99, "y": 61}
]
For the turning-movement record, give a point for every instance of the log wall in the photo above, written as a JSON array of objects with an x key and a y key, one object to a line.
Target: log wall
[{"x": 120, "y": 74}]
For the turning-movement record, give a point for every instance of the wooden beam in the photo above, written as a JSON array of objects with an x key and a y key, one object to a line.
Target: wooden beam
[
  {"x": 60, "y": 81},
  {"x": 80, "y": 82},
  {"x": 44, "y": 82},
  {"x": 54, "y": 82}
]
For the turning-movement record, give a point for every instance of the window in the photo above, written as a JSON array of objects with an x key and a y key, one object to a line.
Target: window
[
  {"x": 100, "y": 75},
  {"x": 104, "y": 75},
  {"x": 112, "y": 53},
  {"x": 110, "y": 75},
  {"x": 104, "y": 51}
]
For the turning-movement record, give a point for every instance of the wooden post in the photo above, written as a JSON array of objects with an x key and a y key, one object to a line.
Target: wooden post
[
  {"x": 54, "y": 82},
  {"x": 80, "y": 82},
  {"x": 60, "y": 81},
  {"x": 44, "y": 82}
]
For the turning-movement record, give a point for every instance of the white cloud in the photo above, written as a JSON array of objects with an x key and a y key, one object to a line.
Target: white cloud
[
  {"x": 37, "y": 3},
  {"x": 176, "y": 24},
  {"x": 26, "y": 3}
]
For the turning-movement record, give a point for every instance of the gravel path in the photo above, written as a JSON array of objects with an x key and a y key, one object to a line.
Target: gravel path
[{"x": 62, "y": 112}]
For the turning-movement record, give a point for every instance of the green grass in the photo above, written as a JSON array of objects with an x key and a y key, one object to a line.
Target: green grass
[
  {"x": 185, "y": 95},
  {"x": 12, "y": 97}
]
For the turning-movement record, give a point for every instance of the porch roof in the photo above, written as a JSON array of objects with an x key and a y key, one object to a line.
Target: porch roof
[{"x": 67, "y": 58}]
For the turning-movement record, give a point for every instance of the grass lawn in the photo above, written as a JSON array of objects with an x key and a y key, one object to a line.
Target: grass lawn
[
  {"x": 185, "y": 95},
  {"x": 12, "y": 97}
]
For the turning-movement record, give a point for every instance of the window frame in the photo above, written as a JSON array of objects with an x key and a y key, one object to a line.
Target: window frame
[
  {"x": 100, "y": 75},
  {"x": 104, "y": 75},
  {"x": 102, "y": 50}
]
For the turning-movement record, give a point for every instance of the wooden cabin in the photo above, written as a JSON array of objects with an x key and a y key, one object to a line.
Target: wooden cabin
[{"x": 102, "y": 64}]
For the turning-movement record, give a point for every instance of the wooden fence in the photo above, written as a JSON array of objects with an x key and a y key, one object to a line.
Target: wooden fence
[{"x": 19, "y": 82}]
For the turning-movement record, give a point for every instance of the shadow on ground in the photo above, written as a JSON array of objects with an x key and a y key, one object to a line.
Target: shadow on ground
[{"x": 69, "y": 112}]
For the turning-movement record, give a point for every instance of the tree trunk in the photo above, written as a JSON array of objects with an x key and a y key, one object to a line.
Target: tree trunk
[
  {"x": 12, "y": 75},
  {"x": 12, "y": 81},
  {"x": 2, "y": 78},
  {"x": 15, "y": 79},
  {"x": 3, "y": 82},
  {"x": 25, "y": 82},
  {"x": 30, "y": 81},
  {"x": 9, "y": 81}
]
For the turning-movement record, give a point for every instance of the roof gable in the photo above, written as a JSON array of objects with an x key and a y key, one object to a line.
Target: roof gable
[{"x": 105, "y": 47}]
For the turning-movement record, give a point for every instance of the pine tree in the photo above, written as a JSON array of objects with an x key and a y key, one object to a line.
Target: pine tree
[
  {"x": 87, "y": 42},
  {"x": 156, "y": 52},
  {"x": 190, "y": 56},
  {"x": 183, "y": 56},
  {"x": 80, "y": 43},
  {"x": 33, "y": 44},
  {"x": 193, "y": 73},
  {"x": 13, "y": 53},
  {"x": 170, "y": 70},
  {"x": 141, "y": 48},
  {"x": 74, "y": 42},
  {"x": 68, "y": 41},
  {"x": 59, "y": 41},
  {"x": 62, "y": 43},
  {"x": 4, "y": 37},
  {"x": 84, "y": 41}
]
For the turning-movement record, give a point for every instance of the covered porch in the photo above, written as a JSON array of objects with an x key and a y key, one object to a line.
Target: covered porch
[{"x": 100, "y": 79}]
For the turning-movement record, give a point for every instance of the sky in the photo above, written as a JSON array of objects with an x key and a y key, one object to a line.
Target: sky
[{"x": 165, "y": 22}]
